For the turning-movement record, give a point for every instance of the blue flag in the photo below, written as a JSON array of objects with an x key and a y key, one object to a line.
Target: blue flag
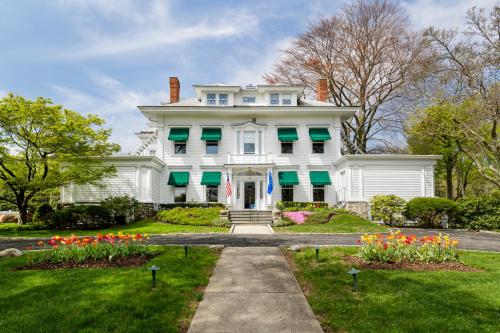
[{"x": 270, "y": 183}]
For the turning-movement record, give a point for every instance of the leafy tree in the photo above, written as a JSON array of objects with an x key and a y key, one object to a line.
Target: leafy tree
[
  {"x": 368, "y": 53},
  {"x": 44, "y": 146}
]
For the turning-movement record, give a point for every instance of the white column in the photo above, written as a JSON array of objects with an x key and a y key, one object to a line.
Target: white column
[{"x": 137, "y": 191}]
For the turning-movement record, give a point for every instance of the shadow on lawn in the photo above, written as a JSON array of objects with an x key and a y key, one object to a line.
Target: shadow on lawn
[
  {"x": 118, "y": 300},
  {"x": 400, "y": 301}
]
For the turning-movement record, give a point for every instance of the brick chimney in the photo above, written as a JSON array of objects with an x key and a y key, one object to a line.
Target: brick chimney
[
  {"x": 322, "y": 90},
  {"x": 175, "y": 89}
]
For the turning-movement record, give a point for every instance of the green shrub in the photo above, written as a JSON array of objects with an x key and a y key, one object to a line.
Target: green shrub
[
  {"x": 478, "y": 213},
  {"x": 121, "y": 208},
  {"x": 292, "y": 206},
  {"x": 190, "y": 216},
  {"x": 429, "y": 212},
  {"x": 191, "y": 205},
  {"x": 79, "y": 217},
  {"x": 320, "y": 217},
  {"x": 388, "y": 208},
  {"x": 43, "y": 212}
]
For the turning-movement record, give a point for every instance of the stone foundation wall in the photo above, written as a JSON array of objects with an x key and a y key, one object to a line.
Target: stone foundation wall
[{"x": 359, "y": 207}]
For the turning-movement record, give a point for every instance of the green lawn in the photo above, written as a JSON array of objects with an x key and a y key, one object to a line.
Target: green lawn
[
  {"x": 105, "y": 300},
  {"x": 401, "y": 301},
  {"x": 339, "y": 223},
  {"x": 144, "y": 226}
]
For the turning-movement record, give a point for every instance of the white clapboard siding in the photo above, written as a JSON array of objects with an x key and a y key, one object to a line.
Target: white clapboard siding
[
  {"x": 403, "y": 181},
  {"x": 123, "y": 184}
]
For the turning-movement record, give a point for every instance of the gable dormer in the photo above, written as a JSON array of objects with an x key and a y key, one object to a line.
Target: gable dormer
[{"x": 217, "y": 95}]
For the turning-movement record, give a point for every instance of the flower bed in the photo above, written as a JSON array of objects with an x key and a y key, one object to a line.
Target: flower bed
[
  {"x": 297, "y": 217},
  {"x": 397, "y": 248},
  {"x": 92, "y": 251}
]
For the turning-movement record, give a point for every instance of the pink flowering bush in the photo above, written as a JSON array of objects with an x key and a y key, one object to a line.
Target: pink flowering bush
[{"x": 297, "y": 217}]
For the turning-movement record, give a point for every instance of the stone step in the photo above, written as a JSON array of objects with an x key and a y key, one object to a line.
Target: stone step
[{"x": 252, "y": 222}]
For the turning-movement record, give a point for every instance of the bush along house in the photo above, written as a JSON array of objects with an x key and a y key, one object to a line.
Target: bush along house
[{"x": 249, "y": 147}]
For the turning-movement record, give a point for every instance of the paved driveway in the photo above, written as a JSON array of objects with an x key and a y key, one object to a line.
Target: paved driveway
[{"x": 468, "y": 240}]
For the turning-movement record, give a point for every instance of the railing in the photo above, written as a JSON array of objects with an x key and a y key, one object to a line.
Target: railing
[{"x": 248, "y": 158}]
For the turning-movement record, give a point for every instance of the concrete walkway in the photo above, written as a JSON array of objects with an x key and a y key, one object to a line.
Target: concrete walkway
[
  {"x": 252, "y": 229},
  {"x": 253, "y": 290}
]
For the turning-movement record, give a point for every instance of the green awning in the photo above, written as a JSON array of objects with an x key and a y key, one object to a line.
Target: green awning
[
  {"x": 288, "y": 178},
  {"x": 320, "y": 177},
  {"x": 211, "y": 178},
  {"x": 211, "y": 134},
  {"x": 178, "y": 178},
  {"x": 319, "y": 134},
  {"x": 287, "y": 134},
  {"x": 178, "y": 134}
]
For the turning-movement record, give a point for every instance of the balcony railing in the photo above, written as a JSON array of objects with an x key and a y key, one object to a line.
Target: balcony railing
[{"x": 248, "y": 158}]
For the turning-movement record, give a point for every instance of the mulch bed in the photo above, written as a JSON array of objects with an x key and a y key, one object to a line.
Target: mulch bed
[
  {"x": 411, "y": 266},
  {"x": 131, "y": 261}
]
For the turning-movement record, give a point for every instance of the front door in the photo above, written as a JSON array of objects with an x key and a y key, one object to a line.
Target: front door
[{"x": 249, "y": 195}]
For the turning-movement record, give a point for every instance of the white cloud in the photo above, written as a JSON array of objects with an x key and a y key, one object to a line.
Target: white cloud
[
  {"x": 116, "y": 104},
  {"x": 144, "y": 29},
  {"x": 442, "y": 14},
  {"x": 244, "y": 73}
]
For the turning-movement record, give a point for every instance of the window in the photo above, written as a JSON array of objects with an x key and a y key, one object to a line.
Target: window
[
  {"x": 318, "y": 147},
  {"x": 319, "y": 193},
  {"x": 180, "y": 148},
  {"x": 180, "y": 194},
  {"x": 222, "y": 99},
  {"x": 286, "y": 99},
  {"x": 212, "y": 148},
  {"x": 286, "y": 192},
  {"x": 210, "y": 99},
  {"x": 212, "y": 193},
  {"x": 248, "y": 99},
  {"x": 287, "y": 147},
  {"x": 152, "y": 152},
  {"x": 275, "y": 99},
  {"x": 249, "y": 142}
]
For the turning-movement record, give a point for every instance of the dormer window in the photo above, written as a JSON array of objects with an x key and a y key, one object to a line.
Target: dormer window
[
  {"x": 211, "y": 99},
  {"x": 223, "y": 99},
  {"x": 275, "y": 99},
  {"x": 248, "y": 99},
  {"x": 286, "y": 99}
]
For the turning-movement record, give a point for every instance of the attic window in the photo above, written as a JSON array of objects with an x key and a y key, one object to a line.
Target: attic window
[
  {"x": 286, "y": 99},
  {"x": 210, "y": 99},
  {"x": 275, "y": 99},
  {"x": 222, "y": 99}
]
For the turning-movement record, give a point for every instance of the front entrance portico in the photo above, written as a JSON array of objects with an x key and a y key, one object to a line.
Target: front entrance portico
[{"x": 249, "y": 188}]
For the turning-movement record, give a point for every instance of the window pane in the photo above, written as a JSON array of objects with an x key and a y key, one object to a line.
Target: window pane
[
  {"x": 180, "y": 194},
  {"x": 212, "y": 148},
  {"x": 286, "y": 99},
  {"x": 211, "y": 99},
  {"x": 249, "y": 142},
  {"x": 249, "y": 99},
  {"x": 318, "y": 193},
  {"x": 287, "y": 193},
  {"x": 287, "y": 148},
  {"x": 275, "y": 99},
  {"x": 180, "y": 148},
  {"x": 222, "y": 99},
  {"x": 318, "y": 147},
  {"x": 212, "y": 193}
]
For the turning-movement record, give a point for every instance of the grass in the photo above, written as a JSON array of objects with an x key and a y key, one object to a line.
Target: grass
[
  {"x": 105, "y": 300},
  {"x": 401, "y": 301},
  {"x": 340, "y": 223},
  {"x": 147, "y": 226}
]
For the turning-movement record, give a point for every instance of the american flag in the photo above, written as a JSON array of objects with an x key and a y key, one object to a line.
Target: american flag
[{"x": 229, "y": 191}]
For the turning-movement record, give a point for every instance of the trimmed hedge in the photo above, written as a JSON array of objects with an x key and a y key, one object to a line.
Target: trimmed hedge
[
  {"x": 290, "y": 206},
  {"x": 167, "y": 206},
  {"x": 429, "y": 212},
  {"x": 191, "y": 216},
  {"x": 478, "y": 213},
  {"x": 389, "y": 209}
]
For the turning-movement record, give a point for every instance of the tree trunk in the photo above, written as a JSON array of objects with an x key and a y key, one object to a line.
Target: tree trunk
[
  {"x": 23, "y": 215},
  {"x": 449, "y": 182}
]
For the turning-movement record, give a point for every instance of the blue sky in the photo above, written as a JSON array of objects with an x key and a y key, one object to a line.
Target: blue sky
[{"x": 107, "y": 56}]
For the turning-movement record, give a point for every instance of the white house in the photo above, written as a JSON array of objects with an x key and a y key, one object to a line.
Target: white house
[{"x": 194, "y": 146}]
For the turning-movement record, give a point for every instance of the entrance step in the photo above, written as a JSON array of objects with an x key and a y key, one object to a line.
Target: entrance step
[{"x": 251, "y": 216}]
